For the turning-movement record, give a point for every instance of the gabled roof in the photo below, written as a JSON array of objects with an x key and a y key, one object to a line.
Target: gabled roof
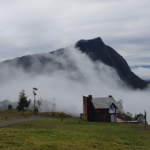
[{"x": 105, "y": 103}]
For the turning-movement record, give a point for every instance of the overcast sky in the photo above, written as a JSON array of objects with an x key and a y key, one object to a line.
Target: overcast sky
[{"x": 39, "y": 26}]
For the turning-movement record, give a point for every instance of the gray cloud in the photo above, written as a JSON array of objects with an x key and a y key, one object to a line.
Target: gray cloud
[{"x": 37, "y": 26}]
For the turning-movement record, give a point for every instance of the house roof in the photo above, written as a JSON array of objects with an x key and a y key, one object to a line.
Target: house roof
[{"x": 105, "y": 103}]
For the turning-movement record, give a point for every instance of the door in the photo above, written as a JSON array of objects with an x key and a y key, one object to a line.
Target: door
[{"x": 113, "y": 118}]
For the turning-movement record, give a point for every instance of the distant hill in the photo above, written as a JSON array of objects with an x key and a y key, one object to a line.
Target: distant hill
[
  {"x": 4, "y": 104},
  {"x": 94, "y": 48}
]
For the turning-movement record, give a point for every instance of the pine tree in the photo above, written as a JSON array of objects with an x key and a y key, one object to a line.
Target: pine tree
[{"x": 23, "y": 103}]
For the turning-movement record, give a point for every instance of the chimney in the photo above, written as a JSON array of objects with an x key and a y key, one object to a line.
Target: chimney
[
  {"x": 110, "y": 95},
  {"x": 90, "y": 97}
]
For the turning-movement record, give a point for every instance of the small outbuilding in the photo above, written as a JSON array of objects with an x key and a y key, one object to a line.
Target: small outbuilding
[{"x": 103, "y": 109}]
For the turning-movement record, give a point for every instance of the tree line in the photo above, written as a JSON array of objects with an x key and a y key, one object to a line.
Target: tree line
[{"x": 127, "y": 116}]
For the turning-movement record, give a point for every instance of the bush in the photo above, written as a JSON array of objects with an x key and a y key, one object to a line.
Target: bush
[
  {"x": 36, "y": 110},
  {"x": 9, "y": 107},
  {"x": 63, "y": 115}
]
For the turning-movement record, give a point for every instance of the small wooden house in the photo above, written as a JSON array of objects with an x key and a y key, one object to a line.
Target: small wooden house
[{"x": 100, "y": 109}]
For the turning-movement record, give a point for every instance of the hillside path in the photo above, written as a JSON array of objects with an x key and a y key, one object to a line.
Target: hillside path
[{"x": 31, "y": 118}]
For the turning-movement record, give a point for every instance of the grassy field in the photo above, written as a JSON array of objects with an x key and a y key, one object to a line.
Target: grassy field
[
  {"x": 8, "y": 115},
  {"x": 74, "y": 134}
]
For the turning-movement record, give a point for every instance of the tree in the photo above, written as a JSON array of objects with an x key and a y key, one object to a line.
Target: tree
[
  {"x": 121, "y": 108},
  {"x": 39, "y": 103},
  {"x": 23, "y": 103},
  {"x": 128, "y": 117},
  {"x": 35, "y": 109},
  {"x": 9, "y": 107},
  {"x": 125, "y": 116},
  {"x": 140, "y": 117}
]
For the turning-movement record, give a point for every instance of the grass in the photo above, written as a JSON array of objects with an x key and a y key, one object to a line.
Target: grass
[
  {"x": 74, "y": 134},
  {"x": 7, "y": 115}
]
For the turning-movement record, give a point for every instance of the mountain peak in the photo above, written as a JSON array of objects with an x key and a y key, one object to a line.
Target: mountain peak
[
  {"x": 98, "y": 51},
  {"x": 98, "y": 39},
  {"x": 86, "y": 44}
]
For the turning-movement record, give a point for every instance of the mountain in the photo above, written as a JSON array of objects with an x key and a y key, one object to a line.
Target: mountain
[
  {"x": 97, "y": 50},
  {"x": 94, "y": 48}
]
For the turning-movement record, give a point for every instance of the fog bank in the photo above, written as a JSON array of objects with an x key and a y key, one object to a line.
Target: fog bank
[
  {"x": 66, "y": 87},
  {"x": 143, "y": 73}
]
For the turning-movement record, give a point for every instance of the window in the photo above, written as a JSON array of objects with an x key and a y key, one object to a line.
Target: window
[{"x": 112, "y": 109}]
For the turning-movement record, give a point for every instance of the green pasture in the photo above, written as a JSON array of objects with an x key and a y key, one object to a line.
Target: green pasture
[{"x": 74, "y": 134}]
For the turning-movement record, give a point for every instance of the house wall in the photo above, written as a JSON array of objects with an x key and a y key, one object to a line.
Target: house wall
[
  {"x": 101, "y": 115},
  {"x": 85, "y": 108},
  {"x": 94, "y": 115}
]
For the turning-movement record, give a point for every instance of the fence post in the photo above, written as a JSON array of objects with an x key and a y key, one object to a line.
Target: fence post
[{"x": 145, "y": 121}]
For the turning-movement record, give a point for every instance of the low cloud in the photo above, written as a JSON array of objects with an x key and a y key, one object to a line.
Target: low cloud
[
  {"x": 143, "y": 73},
  {"x": 66, "y": 87}
]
